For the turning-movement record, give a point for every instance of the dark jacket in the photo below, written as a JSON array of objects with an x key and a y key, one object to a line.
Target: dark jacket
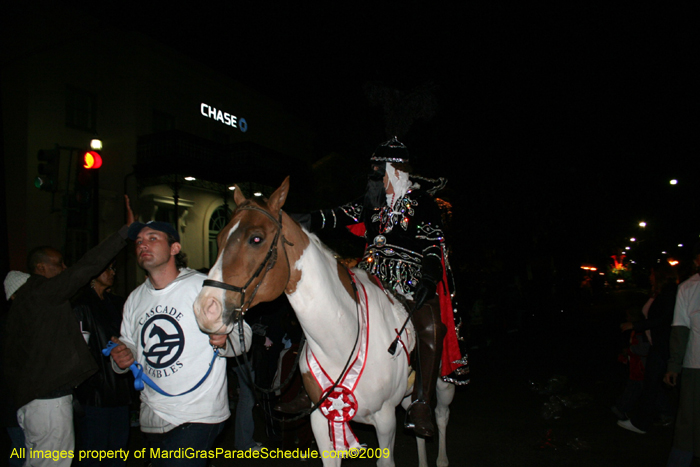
[
  {"x": 45, "y": 353},
  {"x": 102, "y": 318},
  {"x": 659, "y": 320}
]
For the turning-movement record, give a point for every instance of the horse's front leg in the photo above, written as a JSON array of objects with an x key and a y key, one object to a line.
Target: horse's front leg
[
  {"x": 445, "y": 393},
  {"x": 319, "y": 425},
  {"x": 385, "y": 423}
]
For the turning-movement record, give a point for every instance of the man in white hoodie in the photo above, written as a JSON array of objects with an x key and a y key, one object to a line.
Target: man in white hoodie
[{"x": 159, "y": 331}]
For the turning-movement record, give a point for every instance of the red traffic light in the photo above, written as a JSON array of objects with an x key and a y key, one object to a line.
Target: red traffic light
[{"x": 92, "y": 160}]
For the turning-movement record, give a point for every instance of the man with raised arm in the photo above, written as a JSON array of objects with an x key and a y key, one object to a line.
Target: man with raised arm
[{"x": 45, "y": 352}]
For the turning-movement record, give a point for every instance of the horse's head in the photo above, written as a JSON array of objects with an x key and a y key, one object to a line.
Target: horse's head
[{"x": 252, "y": 265}]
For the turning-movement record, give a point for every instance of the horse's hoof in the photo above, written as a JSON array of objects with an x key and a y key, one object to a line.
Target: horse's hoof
[{"x": 420, "y": 419}]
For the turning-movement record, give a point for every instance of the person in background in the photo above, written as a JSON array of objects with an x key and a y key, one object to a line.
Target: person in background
[
  {"x": 13, "y": 281},
  {"x": 653, "y": 401},
  {"x": 685, "y": 357},
  {"x": 634, "y": 356},
  {"x": 106, "y": 395}
]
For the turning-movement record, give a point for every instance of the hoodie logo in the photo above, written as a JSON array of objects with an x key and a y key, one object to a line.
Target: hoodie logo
[{"x": 163, "y": 341}]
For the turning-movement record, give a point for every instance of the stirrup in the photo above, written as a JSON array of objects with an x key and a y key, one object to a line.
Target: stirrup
[{"x": 410, "y": 425}]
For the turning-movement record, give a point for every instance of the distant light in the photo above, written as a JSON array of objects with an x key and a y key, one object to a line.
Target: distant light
[
  {"x": 620, "y": 280},
  {"x": 190, "y": 179},
  {"x": 680, "y": 245},
  {"x": 627, "y": 248},
  {"x": 673, "y": 182},
  {"x": 642, "y": 224},
  {"x": 232, "y": 187},
  {"x": 257, "y": 193},
  {"x": 663, "y": 252},
  {"x": 96, "y": 144},
  {"x": 601, "y": 273},
  {"x": 633, "y": 239},
  {"x": 672, "y": 262}
]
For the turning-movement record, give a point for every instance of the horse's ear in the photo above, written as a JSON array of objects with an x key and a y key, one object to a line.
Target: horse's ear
[
  {"x": 238, "y": 196},
  {"x": 278, "y": 198}
]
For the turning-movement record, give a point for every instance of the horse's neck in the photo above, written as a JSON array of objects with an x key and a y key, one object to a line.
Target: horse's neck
[{"x": 325, "y": 310}]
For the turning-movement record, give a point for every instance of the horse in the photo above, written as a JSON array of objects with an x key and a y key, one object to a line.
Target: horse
[{"x": 344, "y": 314}]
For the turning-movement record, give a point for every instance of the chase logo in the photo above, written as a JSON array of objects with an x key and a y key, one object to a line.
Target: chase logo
[
  {"x": 162, "y": 340},
  {"x": 223, "y": 117}
]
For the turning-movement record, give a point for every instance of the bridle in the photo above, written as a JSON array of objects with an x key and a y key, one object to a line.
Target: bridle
[{"x": 267, "y": 264}]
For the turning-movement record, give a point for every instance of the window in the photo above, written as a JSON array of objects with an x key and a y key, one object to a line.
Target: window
[{"x": 81, "y": 110}]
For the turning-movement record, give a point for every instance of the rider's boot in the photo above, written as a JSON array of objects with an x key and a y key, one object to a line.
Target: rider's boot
[
  {"x": 300, "y": 403},
  {"x": 430, "y": 332}
]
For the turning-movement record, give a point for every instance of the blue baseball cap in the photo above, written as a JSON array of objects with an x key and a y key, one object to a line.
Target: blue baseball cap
[{"x": 165, "y": 227}]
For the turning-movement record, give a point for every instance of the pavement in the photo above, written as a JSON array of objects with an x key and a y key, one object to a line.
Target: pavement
[{"x": 540, "y": 395}]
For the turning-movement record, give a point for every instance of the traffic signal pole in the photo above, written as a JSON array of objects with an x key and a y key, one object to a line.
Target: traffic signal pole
[{"x": 80, "y": 200}]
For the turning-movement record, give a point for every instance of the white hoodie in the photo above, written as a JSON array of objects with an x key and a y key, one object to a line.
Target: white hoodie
[{"x": 160, "y": 328}]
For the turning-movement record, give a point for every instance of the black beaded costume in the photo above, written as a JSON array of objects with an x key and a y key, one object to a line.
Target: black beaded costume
[{"x": 404, "y": 243}]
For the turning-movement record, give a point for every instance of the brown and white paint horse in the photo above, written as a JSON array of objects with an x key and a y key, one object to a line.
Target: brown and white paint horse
[{"x": 264, "y": 253}]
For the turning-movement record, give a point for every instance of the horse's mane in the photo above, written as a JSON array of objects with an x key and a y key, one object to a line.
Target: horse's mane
[{"x": 313, "y": 238}]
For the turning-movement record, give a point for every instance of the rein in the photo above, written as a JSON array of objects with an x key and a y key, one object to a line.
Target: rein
[
  {"x": 291, "y": 375},
  {"x": 140, "y": 377},
  {"x": 329, "y": 391}
]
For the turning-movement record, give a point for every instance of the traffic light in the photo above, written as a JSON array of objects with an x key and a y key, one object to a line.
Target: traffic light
[
  {"x": 49, "y": 160},
  {"x": 92, "y": 160},
  {"x": 86, "y": 176}
]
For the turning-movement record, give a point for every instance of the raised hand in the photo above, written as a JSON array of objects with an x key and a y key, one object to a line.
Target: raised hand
[{"x": 129, "y": 213}]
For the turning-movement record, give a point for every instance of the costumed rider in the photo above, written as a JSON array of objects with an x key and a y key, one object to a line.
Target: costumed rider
[{"x": 401, "y": 222}]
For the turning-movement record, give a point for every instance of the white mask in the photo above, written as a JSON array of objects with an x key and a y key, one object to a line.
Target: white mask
[{"x": 400, "y": 183}]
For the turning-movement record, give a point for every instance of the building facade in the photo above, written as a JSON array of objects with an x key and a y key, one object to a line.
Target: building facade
[{"x": 176, "y": 137}]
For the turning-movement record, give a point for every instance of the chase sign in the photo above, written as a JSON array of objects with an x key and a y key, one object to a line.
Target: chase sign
[{"x": 223, "y": 117}]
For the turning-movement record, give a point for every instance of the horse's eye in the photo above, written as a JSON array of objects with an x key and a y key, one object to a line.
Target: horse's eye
[{"x": 255, "y": 240}]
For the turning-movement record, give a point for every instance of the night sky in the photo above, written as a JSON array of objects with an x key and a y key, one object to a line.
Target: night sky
[{"x": 558, "y": 127}]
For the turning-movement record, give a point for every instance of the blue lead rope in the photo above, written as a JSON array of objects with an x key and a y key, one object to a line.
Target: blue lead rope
[{"x": 140, "y": 377}]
